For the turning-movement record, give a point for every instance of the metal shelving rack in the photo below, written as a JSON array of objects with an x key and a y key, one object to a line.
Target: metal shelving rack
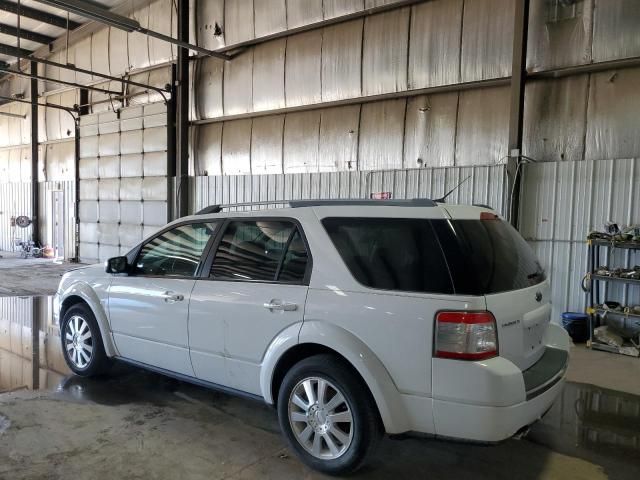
[{"x": 593, "y": 294}]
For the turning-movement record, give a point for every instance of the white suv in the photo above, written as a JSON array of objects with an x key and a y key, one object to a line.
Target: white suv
[{"x": 352, "y": 317}]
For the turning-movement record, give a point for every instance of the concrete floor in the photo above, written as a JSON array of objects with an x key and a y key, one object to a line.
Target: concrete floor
[
  {"x": 139, "y": 425},
  {"x": 30, "y": 276}
]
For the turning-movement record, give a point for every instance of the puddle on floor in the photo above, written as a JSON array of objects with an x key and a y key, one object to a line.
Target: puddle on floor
[{"x": 585, "y": 421}]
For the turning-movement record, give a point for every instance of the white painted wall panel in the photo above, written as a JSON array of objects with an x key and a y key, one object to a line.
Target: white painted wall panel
[
  {"x": 266, "y": 144},
  {"x": 268, "y": 75},
  {"x": 386, "y": 39},
  {"x": 430, "y": 131},
  {"x": 210, "y": 24},
  {"x": 208, "y": 150},
  {"x": 236, "y": 147},
  {"x": 487, "y": 39},
  {"x": 483, "y": 119},
  {"x": 339, "y": 130},
  {"x": 301, "y": 142},
  {"x": 381, "y": 135},
  {"x": 303, "y": 68},
  {"x": 612, "y": 115},
  {"x": 341, "y": 60},
  {"x": 238, "y": 81},
  {"x": 270, "y": 16},
  {"x": 239, "y": 21},
  {"x": 434, "y": 50},
  {"x": 210, "y": 73},
  {"x": 303, "y": 12}
]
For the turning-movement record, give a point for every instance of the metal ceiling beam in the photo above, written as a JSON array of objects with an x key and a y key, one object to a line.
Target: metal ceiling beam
[
  {"x": 14, "y": 52},
  {"x": 69, "y": 110},
  {"x": 12, "y": 115},
  {"x": 25, "y": 34},
  {"x": 107, "y": 17},
  {"x": 38, "y": 15},
  {"x": 9, "y": 71}
]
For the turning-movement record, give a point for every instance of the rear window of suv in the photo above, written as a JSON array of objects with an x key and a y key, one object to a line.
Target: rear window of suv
[
  {"x": 391, "y": 253},
  {"x": 467, "y": 257},
  {"x": 487, "y": 256}
]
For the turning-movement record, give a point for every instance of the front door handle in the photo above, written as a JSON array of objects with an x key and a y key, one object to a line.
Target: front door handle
[
  {"x": 280, "y": 305},
  {"x": 172, "y": 297}
]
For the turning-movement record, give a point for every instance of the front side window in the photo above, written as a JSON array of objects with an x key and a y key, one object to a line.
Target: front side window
[
  {"x": 391, "y": 253},
  {"x": 266, "y": 250},
  {"x": 176, "y": 252}
]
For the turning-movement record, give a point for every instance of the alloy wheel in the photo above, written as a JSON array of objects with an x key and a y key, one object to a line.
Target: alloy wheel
[
  {"x": 78, "y": 341},
  {"x": 321, "y": 418}
]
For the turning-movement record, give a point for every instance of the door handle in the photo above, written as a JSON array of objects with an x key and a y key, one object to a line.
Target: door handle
[
  {"x": 172, "y": 297},
  {"x": 280, "y": 305}
]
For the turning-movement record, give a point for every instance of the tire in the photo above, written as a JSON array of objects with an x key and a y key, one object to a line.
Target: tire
[
  {"x": 311, "y": 427},
  {"x": 85, "y": 355}
]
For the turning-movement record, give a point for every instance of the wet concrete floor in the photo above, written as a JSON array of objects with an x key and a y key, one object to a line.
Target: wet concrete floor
[{"x": 135, "y": 424}]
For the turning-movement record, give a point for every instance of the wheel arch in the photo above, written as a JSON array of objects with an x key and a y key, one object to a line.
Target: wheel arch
[
  {"x": 322, "y": 337},
  {"x": 83, "y": 294}
]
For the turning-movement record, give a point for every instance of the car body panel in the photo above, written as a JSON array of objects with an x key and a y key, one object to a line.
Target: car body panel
[
  {"x": 230, "y": 328},
  {"x": 149, "y": 327}
]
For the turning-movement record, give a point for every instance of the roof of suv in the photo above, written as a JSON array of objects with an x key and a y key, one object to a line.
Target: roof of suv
[{"x": 365, "y": 207}]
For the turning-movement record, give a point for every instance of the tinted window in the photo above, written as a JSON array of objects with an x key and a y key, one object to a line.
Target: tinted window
[
  {"x": 487, "y": 256},
  {"x": 175, "y": 252},
  {"x": 391, "y": 253},
  {"x": 294, "y": 263},
  {"x": 260, "y": 250}
]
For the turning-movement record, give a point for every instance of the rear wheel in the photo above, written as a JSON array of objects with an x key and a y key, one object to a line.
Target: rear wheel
[
  {"x": 82, "y": 342},
  {"x": 328, "y": 416}
]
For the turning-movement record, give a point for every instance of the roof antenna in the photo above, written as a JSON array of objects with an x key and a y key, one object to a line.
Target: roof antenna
[{"x": 444, "y": 197}]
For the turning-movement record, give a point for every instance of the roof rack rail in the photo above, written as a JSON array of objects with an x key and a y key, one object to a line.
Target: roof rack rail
[{"x": 413, "y": 202}]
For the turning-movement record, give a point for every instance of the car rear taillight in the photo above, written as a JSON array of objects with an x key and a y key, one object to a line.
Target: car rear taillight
[{"x": 466, "y": 335}]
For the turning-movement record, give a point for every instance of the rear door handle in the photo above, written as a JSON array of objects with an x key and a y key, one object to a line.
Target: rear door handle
[
  {"x": 280, "y": 305},
  {"x": 172, "y": 297}
]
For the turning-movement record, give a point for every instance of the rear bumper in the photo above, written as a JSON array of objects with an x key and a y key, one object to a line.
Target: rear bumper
[{"x": 514, "y": 400}]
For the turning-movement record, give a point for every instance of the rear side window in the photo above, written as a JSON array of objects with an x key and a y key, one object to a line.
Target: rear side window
[
  {"x": 487, "y": 256},
  {"x": 391, "y": 253},
  {"x": 260, "y": 251}
]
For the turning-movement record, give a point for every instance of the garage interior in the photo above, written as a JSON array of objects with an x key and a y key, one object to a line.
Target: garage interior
[{"x": 117, "y": 117}]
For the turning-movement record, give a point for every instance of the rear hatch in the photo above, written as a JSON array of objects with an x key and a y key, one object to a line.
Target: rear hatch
[{"x": 487, "y": 256}]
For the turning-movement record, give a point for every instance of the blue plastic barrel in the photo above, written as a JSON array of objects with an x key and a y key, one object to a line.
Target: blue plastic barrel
[{"x": 577, "y": 326}]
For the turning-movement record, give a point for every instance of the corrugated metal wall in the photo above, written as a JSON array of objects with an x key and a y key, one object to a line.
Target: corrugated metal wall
[
  {"x": 561, "y": 203},
  {"x": 483, "y": 185}
]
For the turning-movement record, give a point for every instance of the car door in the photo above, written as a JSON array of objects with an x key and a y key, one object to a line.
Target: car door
[
  {"x": 149, "y": 307},
  {"x": 257, "y": 286}
]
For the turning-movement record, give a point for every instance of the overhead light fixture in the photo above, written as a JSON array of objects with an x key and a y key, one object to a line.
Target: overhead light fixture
[{"x": 93, "y": 12}]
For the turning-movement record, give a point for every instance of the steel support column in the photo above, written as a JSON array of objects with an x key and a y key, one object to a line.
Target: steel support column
[
  {"x": 35, "y": 192},
  {"x": 171, "y": 147},
  {"x": 182, "y": 113},
  {"x": 516, "y": 111},
  {"x": 83, "y": 110}
]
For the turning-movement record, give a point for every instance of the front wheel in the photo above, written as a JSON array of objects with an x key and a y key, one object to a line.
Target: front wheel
[
  {"x": 82, "y": 342},
  {"x": 328, "y": 416}
]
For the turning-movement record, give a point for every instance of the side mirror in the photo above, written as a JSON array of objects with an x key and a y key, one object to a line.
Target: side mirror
[{"x": 117, "y": 265}]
